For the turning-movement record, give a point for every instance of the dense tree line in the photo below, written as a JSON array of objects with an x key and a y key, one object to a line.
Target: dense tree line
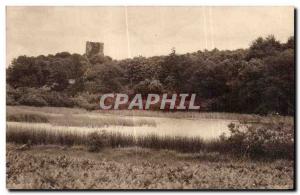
[{"x": 259, "y": 79}]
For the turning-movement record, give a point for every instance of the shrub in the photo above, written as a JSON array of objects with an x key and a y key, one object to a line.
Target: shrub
[
  {"x": 37, "y": 97},
  {"x": 264, "y": 140},
  {"x": 27, "y": 96},
  {"x": 10, "y": 100},
  {"x": 96, "y": 141},
  {"x": 58, "y": 99},
  {"x": 11, "y": 95},
  {"x": 148, "y": 86},
  {"x": 86, "y": 101},
  {"x": 32, "y": 100}
]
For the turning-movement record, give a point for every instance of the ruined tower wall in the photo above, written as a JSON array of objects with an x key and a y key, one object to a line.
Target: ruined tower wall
[{"x": 94, "y": 49}]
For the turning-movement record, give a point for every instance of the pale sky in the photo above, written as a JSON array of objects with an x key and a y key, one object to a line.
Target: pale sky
[{"x": 147, "y": 31}]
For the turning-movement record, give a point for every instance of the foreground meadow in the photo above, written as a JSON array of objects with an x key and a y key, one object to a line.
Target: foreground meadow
[
  {"x": 53, "y": 167},
  {"x": 63, "y": 148}
]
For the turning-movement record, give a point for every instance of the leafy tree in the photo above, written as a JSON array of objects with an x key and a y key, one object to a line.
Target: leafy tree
[
  {"x": 259, "y": 79},
  {"x": 264, "y": 47}
]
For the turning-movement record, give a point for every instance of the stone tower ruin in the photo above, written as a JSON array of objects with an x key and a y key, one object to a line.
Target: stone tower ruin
[{"x": 94, "y": 49}]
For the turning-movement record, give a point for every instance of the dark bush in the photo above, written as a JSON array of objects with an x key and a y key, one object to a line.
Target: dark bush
[
  {"x": 264, "y": 140},
  {"x": 11, "y": 95},
  {"x": 96, "y": 141},
  {"x": 54, "y": 98},
  {"x": 86, "y": 101},
  {"x": 32, "y": 100}
]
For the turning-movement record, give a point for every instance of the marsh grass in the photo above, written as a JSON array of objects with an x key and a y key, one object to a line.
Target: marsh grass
[
  {"x": 259, "y": 137},
  {"x": 41, "y": 136},
  {"x": 27, "y": 117},
  {"x": 45, "y": 110},
  {"x": 273, "y": 141},
  {"x": 179, "y": 114},
  {"x": 62, "y": 111},
  {"x": 86, "y": 121},
  {"x": 67, "y": 117}
]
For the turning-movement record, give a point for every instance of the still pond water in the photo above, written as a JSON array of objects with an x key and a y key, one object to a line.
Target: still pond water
[{"x": 204, "y": 128}]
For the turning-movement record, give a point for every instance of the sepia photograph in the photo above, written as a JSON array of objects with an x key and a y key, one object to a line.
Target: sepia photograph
[{"x": 150, "y": 98}]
